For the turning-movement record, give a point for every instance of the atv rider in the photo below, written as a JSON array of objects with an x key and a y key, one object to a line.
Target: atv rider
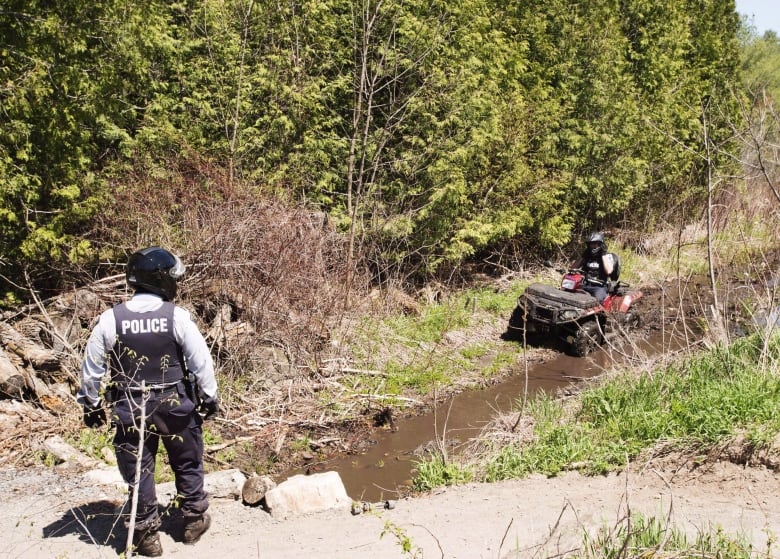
[{"x": 597, "y": 264}]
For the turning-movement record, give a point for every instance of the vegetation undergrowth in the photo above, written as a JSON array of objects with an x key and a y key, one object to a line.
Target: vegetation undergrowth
[
  {"x": 414, "y": 351},
  {"x": 97, "y": 444}
]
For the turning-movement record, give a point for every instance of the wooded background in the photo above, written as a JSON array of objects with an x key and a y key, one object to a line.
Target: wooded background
[{"x": 427, "y": 134}]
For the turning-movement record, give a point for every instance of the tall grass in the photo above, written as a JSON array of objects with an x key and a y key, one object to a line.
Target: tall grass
[
  {"x": 413, "y": 352},
  {"x": 700, "y": 402},
  {"x": 639, "y": 537}
]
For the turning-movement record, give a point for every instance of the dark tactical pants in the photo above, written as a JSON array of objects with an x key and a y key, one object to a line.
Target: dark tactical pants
[
  {"x": 598, "y": 291},
  {"x": 172, "y": 419}
]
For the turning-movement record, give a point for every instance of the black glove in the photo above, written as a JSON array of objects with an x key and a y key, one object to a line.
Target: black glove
[
  {"x": 209, "y": 408},
  {"x": 94, "y": 416}
]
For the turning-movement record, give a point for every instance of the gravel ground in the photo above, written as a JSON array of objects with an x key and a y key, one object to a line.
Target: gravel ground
[{"x": 48, "y": 514}]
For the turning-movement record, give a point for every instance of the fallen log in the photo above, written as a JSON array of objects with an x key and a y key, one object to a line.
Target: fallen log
[
  {"x": 46, "y": 395},
  {"x": 21, "y": 383},
  {"x": 12, "y": 383},
  {"x": 37, "y": 356}
]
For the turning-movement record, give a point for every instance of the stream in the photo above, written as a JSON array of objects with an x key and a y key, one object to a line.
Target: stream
[
  {"x": 385, "y": 469},
  {"x": 374, "y": 475}
]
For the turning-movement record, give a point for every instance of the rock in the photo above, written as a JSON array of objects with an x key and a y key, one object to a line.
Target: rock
[
  {"x": 225, "y": 484},
  {"x": 255, "y": 488},
  {"x": 105, "y": 476},
  {"x": 69, "y": 456},
  {"x": 108, "y": 455},
  {"x": 306, "y": 494}
]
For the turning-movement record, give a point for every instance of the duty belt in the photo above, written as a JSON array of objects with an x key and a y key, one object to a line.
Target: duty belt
[{"x": 138, "y": 389}]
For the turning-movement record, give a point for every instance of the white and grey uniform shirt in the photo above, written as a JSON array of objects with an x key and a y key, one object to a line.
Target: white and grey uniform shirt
[{"x": 101, "y": 342}]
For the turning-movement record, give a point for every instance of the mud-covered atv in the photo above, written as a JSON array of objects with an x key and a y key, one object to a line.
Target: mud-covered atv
[{"x": 573, "y": 315}]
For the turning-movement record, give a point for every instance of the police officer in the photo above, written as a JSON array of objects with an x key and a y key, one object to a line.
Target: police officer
[
  {"x": 160, "y": 367},
  {"x": 598, "y": 265}
]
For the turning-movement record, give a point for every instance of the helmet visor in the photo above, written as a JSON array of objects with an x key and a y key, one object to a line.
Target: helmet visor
[{"x": 178, "y": 269}]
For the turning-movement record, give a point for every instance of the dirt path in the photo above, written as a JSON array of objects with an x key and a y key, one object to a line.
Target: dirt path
[{"x": 45, "y": 515}]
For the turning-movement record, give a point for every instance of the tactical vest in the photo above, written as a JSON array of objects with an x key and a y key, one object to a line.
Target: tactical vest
[{"x": 145, "y": 348}]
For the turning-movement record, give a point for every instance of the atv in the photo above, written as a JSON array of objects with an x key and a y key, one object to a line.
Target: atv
[{"x": 574, "y": 315}]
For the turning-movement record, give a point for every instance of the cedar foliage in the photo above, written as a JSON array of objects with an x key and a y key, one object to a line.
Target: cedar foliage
[{"x": 430, "y": 132}]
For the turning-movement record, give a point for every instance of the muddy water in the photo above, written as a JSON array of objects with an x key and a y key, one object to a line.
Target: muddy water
[{"x": 385, "y": 469}]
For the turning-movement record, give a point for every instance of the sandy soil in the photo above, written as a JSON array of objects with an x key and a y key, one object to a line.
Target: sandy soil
[{"x": 44, "y": 514}]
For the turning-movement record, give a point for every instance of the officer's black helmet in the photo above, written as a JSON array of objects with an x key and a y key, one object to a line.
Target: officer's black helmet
[{"x": 155, "y": 270}]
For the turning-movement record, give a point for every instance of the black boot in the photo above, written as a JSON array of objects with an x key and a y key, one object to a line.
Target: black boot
[
  {"x": 146, "y": 542},
  {"x": 195, "y": 527}
]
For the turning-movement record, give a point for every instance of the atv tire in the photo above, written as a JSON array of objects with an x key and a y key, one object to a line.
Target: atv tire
[
  {"x": 623, "y": 324},
  {"x": 632, "y": 321},
  {"x": 516, "y": 329},
  {"x": 588, "y": 338}
]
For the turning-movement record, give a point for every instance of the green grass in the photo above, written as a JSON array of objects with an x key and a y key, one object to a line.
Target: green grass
[
  {"x": 420, "y": 376},
  {"x": 640, "y": 536},
  {"x": 94, "y": 442},
  {"x": 439, "y": 472},
  {"x": 210, "y": 436},
  {"x": 411, "y": 350},
  {"x": 491, "y": 301},
  {"x": 696, "y": 403},
  {"x": 431, "y": 324},
  {"x": 475, "y": 351},
  {"x": 499, "y": 361},
  {"x": 699, "y": 402}
]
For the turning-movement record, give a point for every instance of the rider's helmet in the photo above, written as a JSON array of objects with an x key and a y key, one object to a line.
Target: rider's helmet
[
  {"x": 596, "y": 243},
  {"x": 154, "y": 270}
]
